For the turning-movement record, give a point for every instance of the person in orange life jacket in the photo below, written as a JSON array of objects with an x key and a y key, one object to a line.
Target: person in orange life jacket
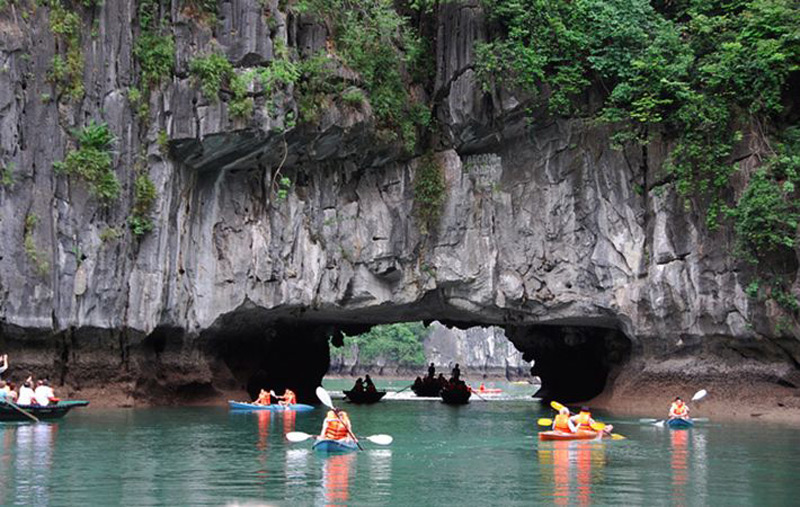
[
  {"x": 583, "y": 421},
  {"x": 562, "y": 422},
  {"x": 263, "y": 398},
  {"x": 679, "y": 409},
  {"x": 288, "y": 398},
  {"x": 336, "y": 428}
]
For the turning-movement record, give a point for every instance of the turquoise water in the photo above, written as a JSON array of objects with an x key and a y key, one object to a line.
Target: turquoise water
[{"x": 485, "y": 453}]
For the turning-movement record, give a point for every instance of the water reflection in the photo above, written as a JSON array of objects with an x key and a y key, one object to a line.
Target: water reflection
[
  {"x": 380, "y": 470},
  {"x": 336, "y": 478},
  {"x": 264, "y": 418},
  {"x": 688, "y": 466},
  {"x": 26, "y": 463},
  {"x": 288, "y": 421},
  {"x": 575, "y": 468}
]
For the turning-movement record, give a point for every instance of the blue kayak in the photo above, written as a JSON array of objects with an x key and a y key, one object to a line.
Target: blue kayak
[
  {"x": 297, "y": 407},
  {"x": 334, "y": 446},
  {"x": 680, "y": 423}
]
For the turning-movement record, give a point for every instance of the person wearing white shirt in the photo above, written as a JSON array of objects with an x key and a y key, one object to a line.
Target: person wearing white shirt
[
  {"x": 43, "y": 393},
  {"x": 26, "y": 393}
]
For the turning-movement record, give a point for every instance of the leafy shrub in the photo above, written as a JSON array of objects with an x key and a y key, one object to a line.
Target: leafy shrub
[
  {"x": 156, "y": 55},
  {"x": 144, "y": 196},
  {"x": 429, "y": 192},
  {"x": 36, "y": 257},
  {"x": 92, "y": 161},
  {"x": 211, "y": 71}
]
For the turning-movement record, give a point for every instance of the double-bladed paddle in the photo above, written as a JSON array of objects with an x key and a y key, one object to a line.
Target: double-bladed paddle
[
  {"x": 325, "y": 398},
  {"x": 299, "y": 436}
]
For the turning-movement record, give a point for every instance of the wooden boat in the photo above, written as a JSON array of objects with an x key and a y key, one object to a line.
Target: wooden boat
[
  {"x": 364, "y": 396},
  {"x": 242, "y": 406},
  {"x": 427, "y": 389},
  {"x": 334, "y": 446},
  {"x": 53, "y": 411},
  {"x": 456, "y": 396},
  {"x": 580, "y": 435},
  {"x": 680, "y": 422}
]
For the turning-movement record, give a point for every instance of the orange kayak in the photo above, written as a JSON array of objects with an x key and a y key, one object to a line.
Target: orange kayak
[{"x": 580, "y": 435}]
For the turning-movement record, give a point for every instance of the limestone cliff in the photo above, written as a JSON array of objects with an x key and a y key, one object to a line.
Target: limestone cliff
[{"x": 583, "y": 253}]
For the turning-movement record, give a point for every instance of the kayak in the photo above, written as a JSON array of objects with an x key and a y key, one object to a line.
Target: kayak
[
  {"x": 485, "y": 390},
  {"x": 297, "y": 407},
  {"x": 580, "y": 435},
  {"x": 334, "y": 446},
  {"x": 680, "y": 423}
]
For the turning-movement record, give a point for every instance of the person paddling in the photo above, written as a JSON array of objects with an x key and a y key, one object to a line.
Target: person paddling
[
  {"x": 678, "y": 409},
  {"x": 584, "y": 422},
  {"x": 336, "y": 426},
  {"x": 288, "y": 398},
  {"x": 563, "y": 423},
  {"x": 264, "y": 398}
]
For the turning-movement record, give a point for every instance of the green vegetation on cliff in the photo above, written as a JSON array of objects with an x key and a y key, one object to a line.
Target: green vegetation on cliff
[
  {"x": 706, "y": 74},
  {"x": 400, "y": 344},
  {"x": 92, "y": 161}
]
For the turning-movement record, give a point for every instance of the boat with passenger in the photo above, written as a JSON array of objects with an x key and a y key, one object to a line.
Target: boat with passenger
[{"x": 56, "y": 410}]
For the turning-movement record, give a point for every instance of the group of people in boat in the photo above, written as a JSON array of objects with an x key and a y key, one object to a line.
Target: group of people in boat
[
  {"x": 364, "y": 385},
  {"x": 265, "y": 397},
  {"x": 582, "y": 421},
  {"x": 30, "y": 392},
  {"x": 431, "y": 380}
]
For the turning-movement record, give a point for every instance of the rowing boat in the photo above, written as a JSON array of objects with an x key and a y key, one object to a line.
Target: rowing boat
[
  {"x": 334, "y": 446},
  {"x": 296, "y": 407},
  {"x": 364, "y": 396},
  {"x": 53, "y": 411},
  {"x": 680, "y": 422},
  {"x": 579, "y": 435}
]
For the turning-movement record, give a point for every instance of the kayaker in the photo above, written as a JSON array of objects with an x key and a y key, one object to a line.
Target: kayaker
[
  {"x": 583, "y": 421},
  {"x": 336, "y": 428},
  {"x": 288, "y": 398},
  {"x": 263, "y": 398},
  {"x": 43, "y": 393},
  {"x": 369, "y": 384},
  {"x": 679, "y": 409},
  {"x": 563, "y": 423}
]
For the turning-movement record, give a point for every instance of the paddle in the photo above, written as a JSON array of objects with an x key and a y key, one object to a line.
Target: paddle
[
  {"x": 325, "y": 398},
  {"x": 403, "y": 389},
  {"x": 26, "y": 413},
  {"x": 299, "y": 436}
]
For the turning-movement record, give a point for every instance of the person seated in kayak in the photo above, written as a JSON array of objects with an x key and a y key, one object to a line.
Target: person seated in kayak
[
  {"x": 43, "y": 393},
  {"x": 263, "y": 398},
  {"x": 336, "y": 426},
  {"x": 584, "y": 422},
  {"x": 288, "y": 398},
  {"x": 563, "y": 423},
  {"x": 679, "y": 409},
  {"x": 26, "y": 393},
  {"x": 369, "y": 384}
]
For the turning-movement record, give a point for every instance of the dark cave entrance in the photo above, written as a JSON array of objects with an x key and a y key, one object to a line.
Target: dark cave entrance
[{"x": 574, "y": 362}]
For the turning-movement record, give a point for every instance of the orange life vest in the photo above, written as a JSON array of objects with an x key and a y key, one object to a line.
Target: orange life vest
[
  {"x": 336, "y": 429},
  {"x": 289, "y": 397},
  {"x": 583, "y": 421},
  {"x": 264, "y": 399},
  {"x": 561, "y": 423},
  {"x": 679, "y": 411}
]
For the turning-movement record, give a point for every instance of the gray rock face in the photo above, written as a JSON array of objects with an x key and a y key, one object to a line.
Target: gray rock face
[{"x": 545, "y": 228}]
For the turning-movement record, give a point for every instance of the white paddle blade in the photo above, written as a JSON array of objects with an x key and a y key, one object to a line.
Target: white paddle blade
[
  {"x": 660, "y": 423},
  {"x": 324, "y": 397},
  {"x": 699, "y": 395},
  {"x": 297, "y": 436},
  {"x": 380, "y": 439},
  {"x": 648, "y": 421}
]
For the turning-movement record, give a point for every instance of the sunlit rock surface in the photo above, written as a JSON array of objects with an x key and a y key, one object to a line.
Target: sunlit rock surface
[{"x": 577, "y": 249}]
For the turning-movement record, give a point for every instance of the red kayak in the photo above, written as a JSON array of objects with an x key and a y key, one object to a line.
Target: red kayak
[
  {"x": 580, "y": 435},
  {"x": 485, "y": 390}
]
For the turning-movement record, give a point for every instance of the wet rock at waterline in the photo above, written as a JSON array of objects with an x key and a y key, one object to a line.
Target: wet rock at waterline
[{"x": 544, "y": 229}]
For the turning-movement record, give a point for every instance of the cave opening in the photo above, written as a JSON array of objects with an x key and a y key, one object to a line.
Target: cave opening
[{"x": 573, "y": 362}]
